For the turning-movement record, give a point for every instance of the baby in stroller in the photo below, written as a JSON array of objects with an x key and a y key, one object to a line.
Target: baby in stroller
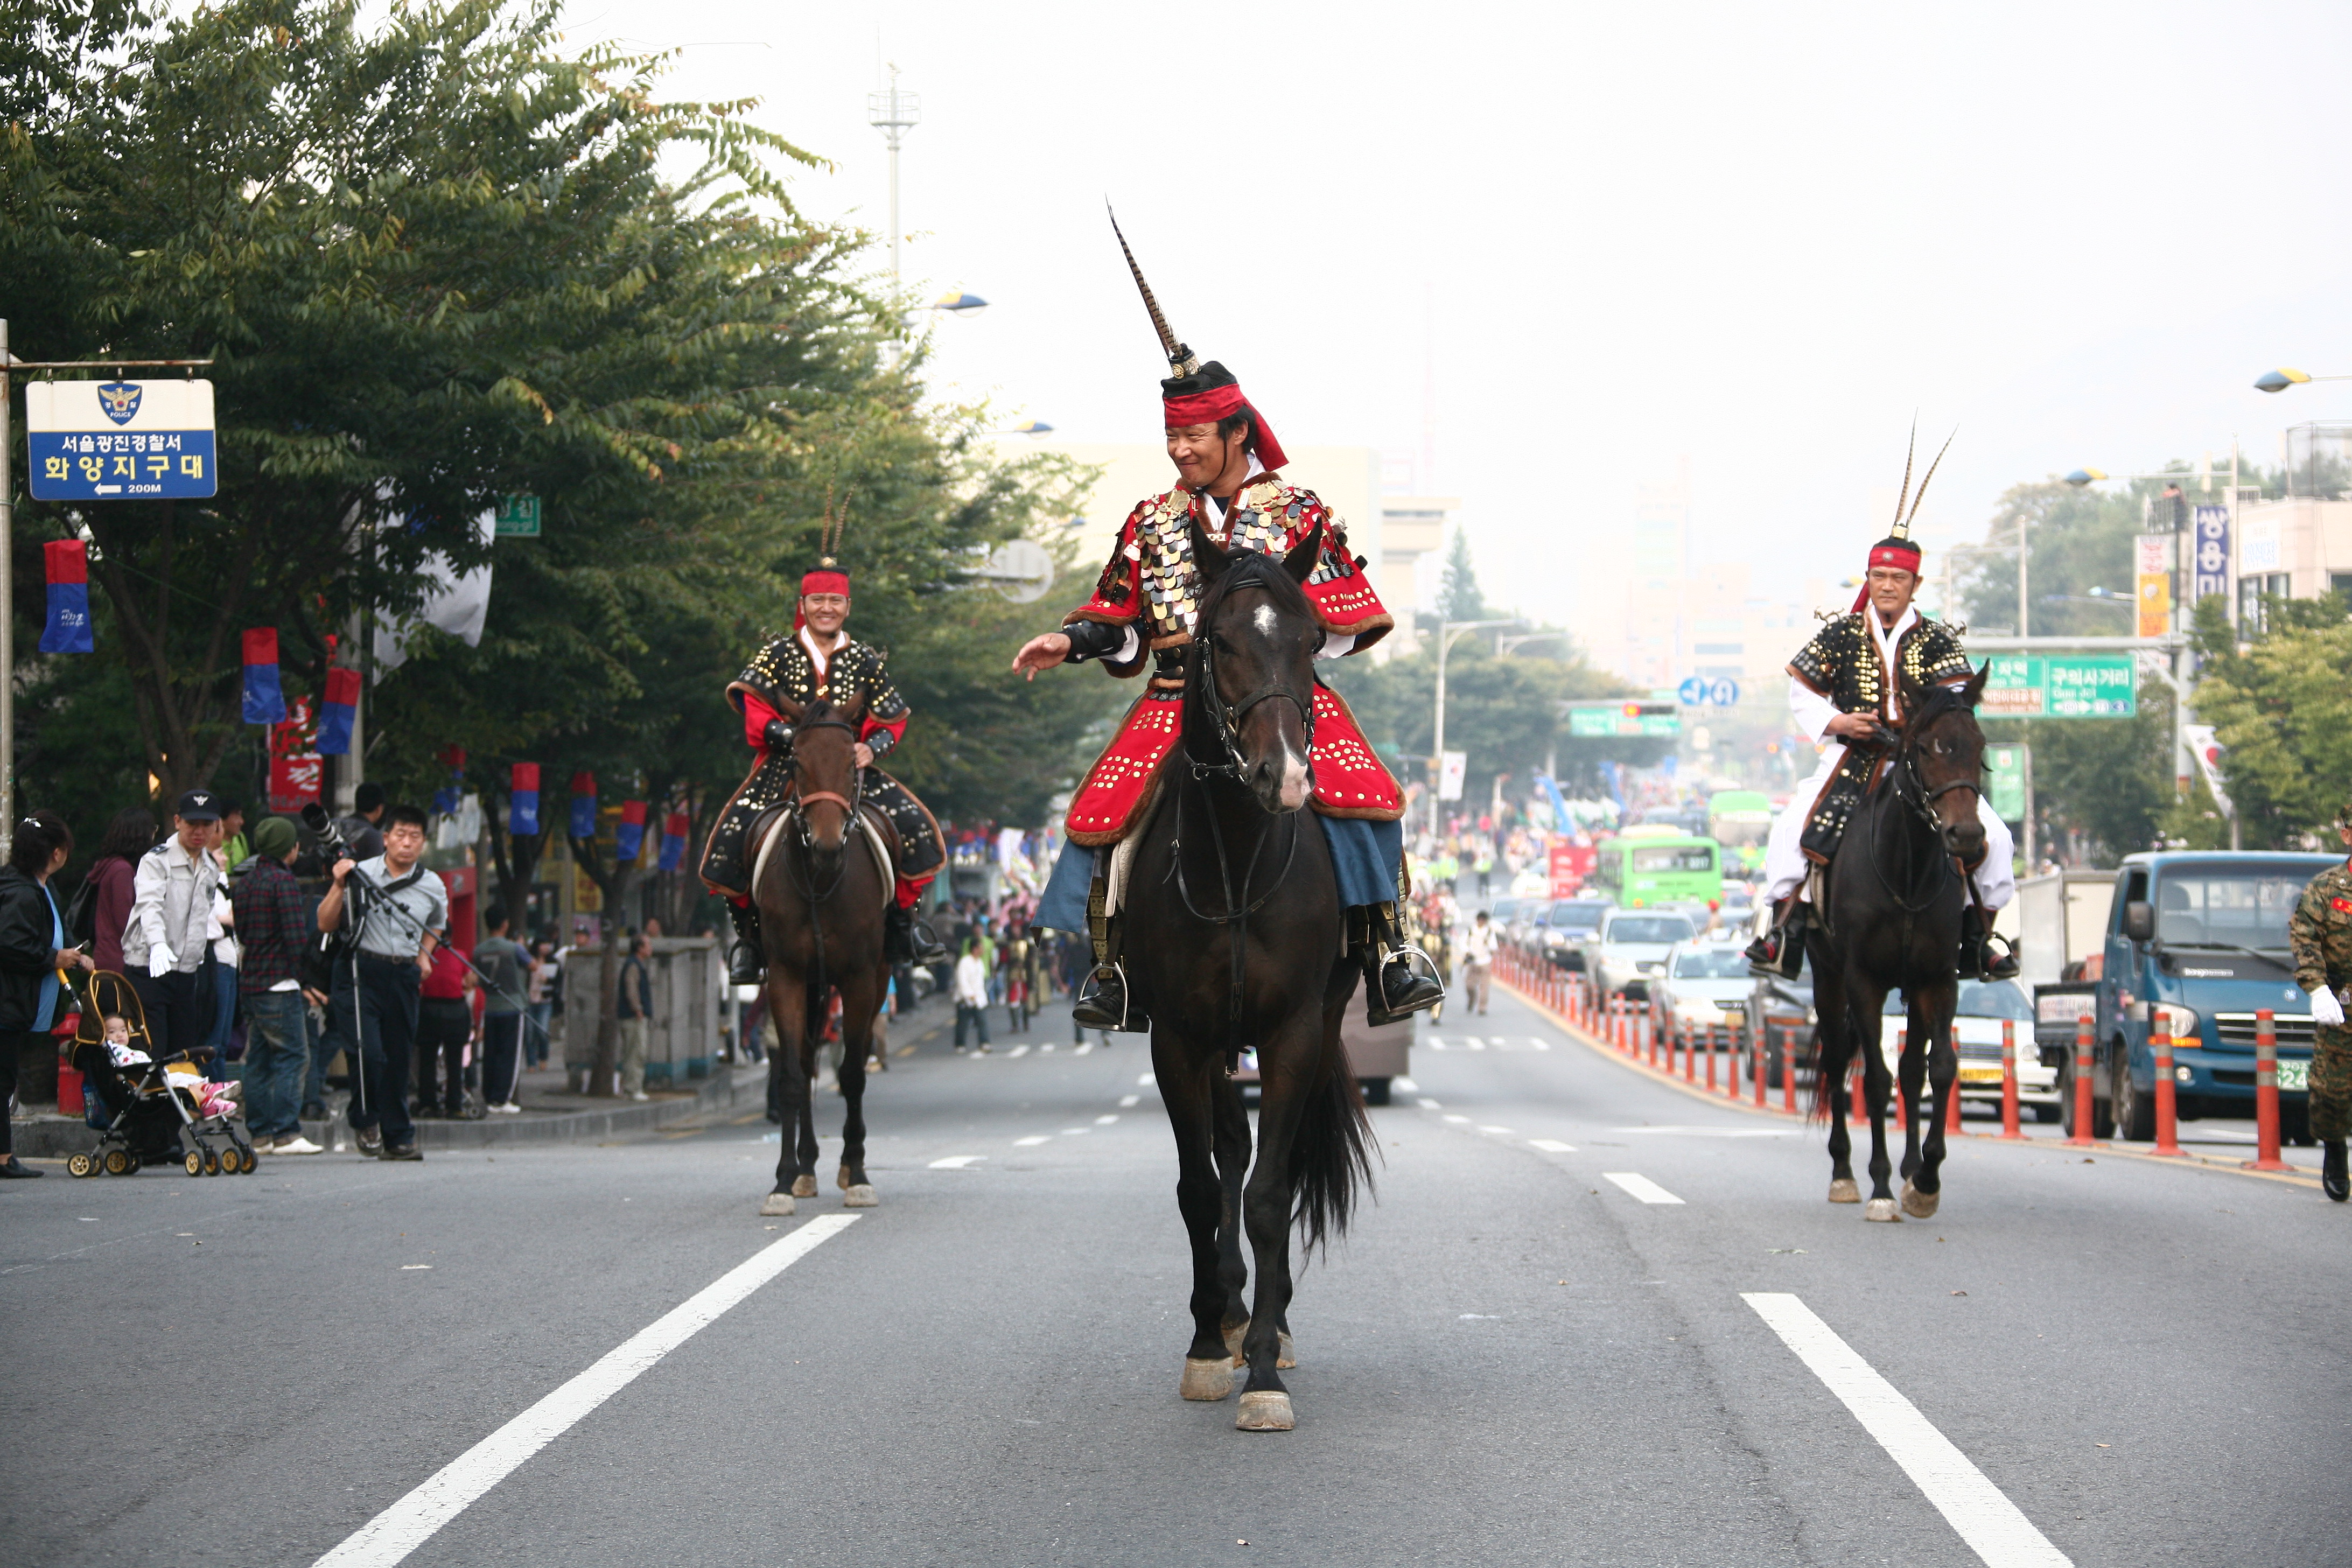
[{"x": 149, "y": 1112}]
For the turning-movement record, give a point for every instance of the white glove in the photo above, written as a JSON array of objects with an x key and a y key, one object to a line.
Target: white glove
[
  {"x": 2325, "y": 1010},
  {"x": 160, "y": 962}
]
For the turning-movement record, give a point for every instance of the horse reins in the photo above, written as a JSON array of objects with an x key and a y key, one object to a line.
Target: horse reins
[{"x": 797, "y": 803}]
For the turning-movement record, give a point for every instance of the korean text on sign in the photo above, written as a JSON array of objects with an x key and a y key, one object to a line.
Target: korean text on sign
[{"x": 120, "y": 440}]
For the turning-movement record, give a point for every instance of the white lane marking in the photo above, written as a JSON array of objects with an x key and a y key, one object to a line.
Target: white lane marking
[
  {"x": 1128, "y": 1099},
  {"x": 1474, "y": 1042},
  {"x": 1406, "y": 1085},
  {"x": 1046, "y": 1046},
  {"x": 1429, "y": 1104},
  {"x": 1641, "y": 1187},
  {"x": 1033, "y": 1141},
  {"x": 1717, "y": 1131},
  {"x": 957, "y": 1162},
  {"x": 1074, "y": 1131},
  {"x": 1146, "y": 1081},
  {"x": 1461, "y": 1119},
  {"x": 407, "y": 1524},
  {"x": 1503, "y": 1130},
  {"x": 1539, "y": 1043},
  {"x": 1082, "y": 1047},
  {"x": 1434, "y": 1042},
  {"x": 1105, "y": 1120},
  {"x": 1551, "y": 1146},
  {"x": 1018, "y": 1051},
  {"x": 1991, "y": 1524}
]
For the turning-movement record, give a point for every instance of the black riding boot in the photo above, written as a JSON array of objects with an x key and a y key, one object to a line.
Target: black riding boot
[
  {"x": 906, "y": 940},
  {"x": 1395, "y": 988},
  {"x": 746, "y": 965},
  {"x": 2334, "y": 1179},
  {"x": 1979, "y": 960},
  {"x": 1782, "y": 950},
  {"x": 1102, "y": 1003}
]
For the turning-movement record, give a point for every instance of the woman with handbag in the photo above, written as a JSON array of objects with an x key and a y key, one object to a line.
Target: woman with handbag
[{"x": 32, "y": 950}]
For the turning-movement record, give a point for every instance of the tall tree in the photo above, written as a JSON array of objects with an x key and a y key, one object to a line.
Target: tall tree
[{"x": 1458, "y": 595}]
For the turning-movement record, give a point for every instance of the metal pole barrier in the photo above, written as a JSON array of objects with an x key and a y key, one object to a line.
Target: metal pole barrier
[
  {"x": 2168, "y": 1128},
  {"x": 1656, "y": 1019},
  {"x": 1735, "y": 1046},
  {"x": 2008, "y": 1128},
  {"x": 1756, "y": 1059},
  {"x": 1712, "y": 1031},
  {"x": 2083, "y": 1104},
  {"x": 1690, "y": 1056},
  {"x": 1788, "y": 1074},
  {"x": 1951, "y": 1107},
  {"x": 2266, "y": 1105}
]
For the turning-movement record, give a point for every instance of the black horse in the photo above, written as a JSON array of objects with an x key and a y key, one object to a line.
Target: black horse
[
  {"x": 1891, "y": 918},
  {"x": 821, "y": 894},
  {"x": 1235, "y": 939}
]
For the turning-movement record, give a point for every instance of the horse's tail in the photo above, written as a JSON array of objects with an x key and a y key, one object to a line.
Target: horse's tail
[
  {"x": 1330, "y": 1153},
  {"x": 1826, "y": 1088}
]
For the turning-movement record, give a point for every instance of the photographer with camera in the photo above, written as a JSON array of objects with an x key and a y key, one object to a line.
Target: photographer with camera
[{"x": 396, "y": 910}]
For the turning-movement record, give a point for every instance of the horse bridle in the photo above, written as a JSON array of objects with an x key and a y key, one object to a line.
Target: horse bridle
[
  {"x": 803, "y": 798},
  {"x": 1227, "y": 716},
  {"x": 1918, "y": 799}
]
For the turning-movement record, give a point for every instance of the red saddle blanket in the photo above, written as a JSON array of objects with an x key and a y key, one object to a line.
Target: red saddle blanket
[{"x": 1118, "y": 790}]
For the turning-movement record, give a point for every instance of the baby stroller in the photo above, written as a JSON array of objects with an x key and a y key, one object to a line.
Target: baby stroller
[{"x": 149, "y": 1112}]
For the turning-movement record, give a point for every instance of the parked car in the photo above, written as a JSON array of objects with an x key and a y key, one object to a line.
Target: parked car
[
  {"x": 2197, "y": 941},
  {"x": 1561, "y": 930},
  {"x": 1976, "y": 1032},
  {"x": 1503, "y": 911},
  {"x": 1706, "y": 984},
  {"x": 1630, "y": 950}
]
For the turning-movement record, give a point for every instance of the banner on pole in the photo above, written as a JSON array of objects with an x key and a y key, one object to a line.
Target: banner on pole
[
  {"x": 294, "y": 766},
  {"x": 2155, "y": 584},
  {"x": 2208, "y": 570},
  {"x": 673, "y": 843},
  {"x": 629, "y": 838},
  {"x": 67, "y": 563},
  {"x": 523, "y": 800},
  {"x": 265, "y": 699},
  {"x": 583, "y": 804},
  {"x": 337, "y": 710}
]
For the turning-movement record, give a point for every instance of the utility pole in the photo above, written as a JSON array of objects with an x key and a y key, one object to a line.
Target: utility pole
[
  {"x": 7, "y": 602},
  {"x": 1447, "y": 631},
  {"x": 894, "y": 113},
  {"x": 2022, "y": 629}
]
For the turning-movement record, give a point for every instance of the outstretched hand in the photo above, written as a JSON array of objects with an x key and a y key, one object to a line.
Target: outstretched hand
[{"x": 1043, "y": 652}]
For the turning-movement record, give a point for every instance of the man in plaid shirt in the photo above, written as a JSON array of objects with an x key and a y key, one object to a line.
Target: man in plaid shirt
[{"x": 274, "y": 920}]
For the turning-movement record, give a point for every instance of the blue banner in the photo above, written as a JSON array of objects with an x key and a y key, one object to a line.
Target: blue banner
[
  {"x": 68, "y": 630},
  {"x": 265, "y": 703}
]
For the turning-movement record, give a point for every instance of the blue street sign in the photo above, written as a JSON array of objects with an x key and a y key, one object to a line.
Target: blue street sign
[
  {"x": 1723, "y": 691},
  {"x": 1692, "y": 691},
  {"x": 2212, "y": 573},
  {"x": 120, "y": 440}
]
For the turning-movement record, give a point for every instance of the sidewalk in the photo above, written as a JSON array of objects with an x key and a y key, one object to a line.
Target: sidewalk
[{"x": 551, "y": 1114}]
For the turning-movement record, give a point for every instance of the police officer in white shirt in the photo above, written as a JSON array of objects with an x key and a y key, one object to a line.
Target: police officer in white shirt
[
  {"x": 164, "y": 946},
  {"x": 400, "y": 910}
]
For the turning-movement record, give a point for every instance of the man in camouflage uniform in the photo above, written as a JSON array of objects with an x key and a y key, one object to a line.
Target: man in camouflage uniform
[{"x": 2321, "y": 934}]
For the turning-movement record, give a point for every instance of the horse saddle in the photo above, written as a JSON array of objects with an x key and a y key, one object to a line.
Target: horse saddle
[{"x": 874, "y": 828}]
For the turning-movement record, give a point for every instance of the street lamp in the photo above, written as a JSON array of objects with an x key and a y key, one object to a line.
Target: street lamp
[
  {"x": 1446, "y": 632},
  {"x": 1504, "y": 645},
  {"x": 2281, "y": 379},
  {"x": 956, "y": 302}
]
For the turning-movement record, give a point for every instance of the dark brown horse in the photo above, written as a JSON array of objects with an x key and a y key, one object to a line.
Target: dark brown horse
[
  {"x": 1234, "y": 940},
  {"x": 821, "y": 895},
  {"x": 1891, "y": 918}
]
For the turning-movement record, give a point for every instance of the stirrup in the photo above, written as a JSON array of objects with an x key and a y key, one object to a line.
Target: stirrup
[
  {"x": 1427, "y": 991},
  {"x": 1087, "y": 1010},
  {"x": 928, "y": 948},
  {"x": 744, "y": 964}
]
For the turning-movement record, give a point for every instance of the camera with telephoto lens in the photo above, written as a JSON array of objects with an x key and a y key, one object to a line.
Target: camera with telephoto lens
[{"x": 332, "y": 845}]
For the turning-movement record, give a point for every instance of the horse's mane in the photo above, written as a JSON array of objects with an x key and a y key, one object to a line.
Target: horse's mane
[
  {"x": 1941, "y": 700},
  {"x": 1250, "y": 569}
]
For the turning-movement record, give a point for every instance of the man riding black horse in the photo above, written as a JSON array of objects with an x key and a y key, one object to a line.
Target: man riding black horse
[
  {"x": 1144, "y": 610},
  {"x": 1842, "y": 691},
  {"x": 821, "y": 661}
]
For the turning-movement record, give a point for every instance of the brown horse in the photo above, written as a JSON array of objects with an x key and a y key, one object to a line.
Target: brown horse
[
  {"x": 1891, "y": 918},
  {"x": 1234, "y": 937},
  {"x": 820, "y": 896}
]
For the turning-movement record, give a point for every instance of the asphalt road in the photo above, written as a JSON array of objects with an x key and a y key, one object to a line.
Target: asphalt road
[{"x": 1513, "y": 1359}]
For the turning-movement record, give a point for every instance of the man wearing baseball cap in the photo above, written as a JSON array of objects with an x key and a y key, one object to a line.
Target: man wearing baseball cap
[{"x": 163, "y": 947}]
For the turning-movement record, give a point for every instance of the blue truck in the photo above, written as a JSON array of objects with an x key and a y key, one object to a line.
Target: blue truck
[{"x": 2197, "y": 941}]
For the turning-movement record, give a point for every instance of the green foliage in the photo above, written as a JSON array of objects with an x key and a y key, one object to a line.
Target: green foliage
[
  {"x": 1458, "y": 595},
  {"x": 2107, "y": 779},
  {"x": 2282, "y": 713},
  {"x": 1503, "y": 712}
]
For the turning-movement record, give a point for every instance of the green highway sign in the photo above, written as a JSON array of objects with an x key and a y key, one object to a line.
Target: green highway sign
[
  {"x": 2070, "y": 686},
  {"x": 517, "y": 517},
  {"x": 1616, "y": 717},
  {"x": 2005, "y": 761}
]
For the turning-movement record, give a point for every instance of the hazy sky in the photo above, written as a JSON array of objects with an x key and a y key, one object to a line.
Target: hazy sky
[{"x": 1756, "y": 235}]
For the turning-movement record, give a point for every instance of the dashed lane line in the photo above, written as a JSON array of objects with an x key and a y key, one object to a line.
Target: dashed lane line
[
  {"x": 1017, "y": 1052},
  {"x": 1105, "y": 1120},
  {"x": 1125, "y": 1100},
  {"x": 1428, "y": 1104},
  {"x": 1641, "y": 1187},
  {"x": 1551, "y": 1146},
  {"x": 1994, "y": 1527},
  {"x": 407, "y": 1524},
  {"x": 957, "y": 1162},
  {"x": 1032, "y": 1140}
]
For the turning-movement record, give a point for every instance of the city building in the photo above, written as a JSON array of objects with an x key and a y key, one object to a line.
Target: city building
[{"x": 2298, "y": 545}]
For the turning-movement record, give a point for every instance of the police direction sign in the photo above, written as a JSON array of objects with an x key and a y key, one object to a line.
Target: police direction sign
[{"x": 120, "y": 440}]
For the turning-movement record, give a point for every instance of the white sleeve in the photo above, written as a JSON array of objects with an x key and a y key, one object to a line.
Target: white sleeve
[
  {"x": 1336, "y": 645},
  {"x": 147, "y": 885},
  {"x": 1129, "y": 646},
  {"x": 1812, "y": 710}
]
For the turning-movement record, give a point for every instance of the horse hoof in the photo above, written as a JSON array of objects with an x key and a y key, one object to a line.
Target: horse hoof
[
  {"x": 1234, "y": 1333},
  {"x": 1210, "y": 1378},
  {"x": 804, "y": 1187},
  {"x": 1919, "y": 1204},
  {"x": 774, "y": 1205},
  {"x": 1287, "y": 1356},
  {"x": 1268, "y": 1410},
  {"x": 860, "y": 1196},
  {"x": 1883, "y": 1209},
  {"x": 1845, "y": 1190}
]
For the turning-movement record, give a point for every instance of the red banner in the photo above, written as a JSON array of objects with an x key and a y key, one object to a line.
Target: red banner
[{"x": 294, "y": 759}]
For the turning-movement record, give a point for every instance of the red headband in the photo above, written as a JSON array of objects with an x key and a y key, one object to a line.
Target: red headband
[
  {"x": 1223, "y": 403},
  {"x": 822, "y": 581},
  {"x": 1903, "y": 555}
]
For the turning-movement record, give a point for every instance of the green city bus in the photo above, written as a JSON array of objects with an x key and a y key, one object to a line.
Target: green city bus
[
  {"x": 1740, "y": 820},
  {"x": 1657, "y": 865}
]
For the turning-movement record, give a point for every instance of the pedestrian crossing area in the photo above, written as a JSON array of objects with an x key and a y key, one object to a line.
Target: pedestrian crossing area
[{"x": 1451, "y": 1042}]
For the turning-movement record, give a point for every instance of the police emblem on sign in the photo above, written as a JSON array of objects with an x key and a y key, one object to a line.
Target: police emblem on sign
[{"x": 120, "y": 399}]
